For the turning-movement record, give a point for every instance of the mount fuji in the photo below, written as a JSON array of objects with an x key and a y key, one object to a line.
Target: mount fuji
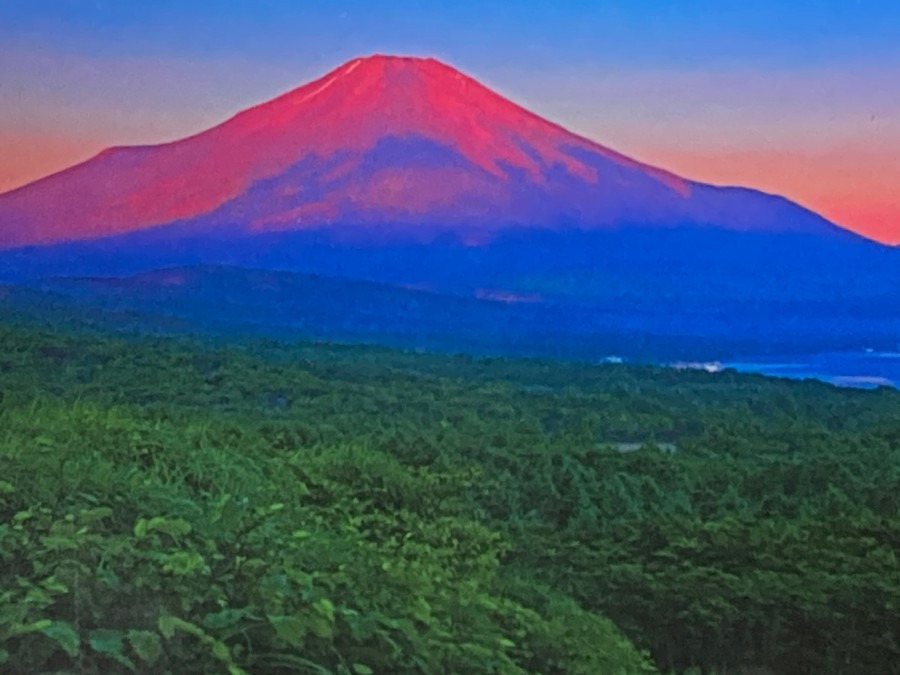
[
  {"x": 405, "y": 172},
  {"x": 388, "y": 146}
]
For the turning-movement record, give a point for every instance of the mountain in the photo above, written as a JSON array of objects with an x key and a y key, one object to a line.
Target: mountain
[
  {"x": 400, "y": 182},
  {"x": 381, "y": 148}
]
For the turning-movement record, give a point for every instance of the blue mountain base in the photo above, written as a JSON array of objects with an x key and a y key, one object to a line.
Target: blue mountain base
[{"x": 651, "y": 294}]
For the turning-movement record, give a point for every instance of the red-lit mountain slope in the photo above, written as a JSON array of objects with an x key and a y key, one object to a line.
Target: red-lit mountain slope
[{"x": 386, "y": 144}]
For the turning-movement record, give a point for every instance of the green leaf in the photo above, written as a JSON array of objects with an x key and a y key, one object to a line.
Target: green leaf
[
  {"x": 110, "y": 643},
  {"x": 55, "y": 585},
  {"x": 220, "y": 651},
  {"x": 6, "y": 487},
  {"x": 39, "y": 625},
  {"x": 183, "y": 563},
  {"x": 146, "y": 645},
  {"x": 4, "y": 655},
  {"x": 325, "y": 607},
  {"x": 422, "y": 610},
  {"x": 54, "y": 542},
  {"x": 92, "y": 515},
  {"x": 362, "y": 669},
  {"x": 38, "y": 597},
  {"x": 225, "y": 618},
  {"x": 64, "y": 635},
  {"x": 321, "y": 627},
  {"x": 174, "y": 527},
  {"x": 227, "y": 512},
  {"x": 107, "y": 577},
  {"x": 291, "y": 629},
  {"x": 168, "y": 624},
  {"x": 140, "y": 528},
  {"x": 323, "y": 624},
  {"x": 22, "y": 516}
]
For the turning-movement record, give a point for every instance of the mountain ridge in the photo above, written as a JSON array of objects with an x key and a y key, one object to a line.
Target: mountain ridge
[{"x": 231, "y": 300}]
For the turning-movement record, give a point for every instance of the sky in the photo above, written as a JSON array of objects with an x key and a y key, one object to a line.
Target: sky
[{"x": 796, "y": 98}]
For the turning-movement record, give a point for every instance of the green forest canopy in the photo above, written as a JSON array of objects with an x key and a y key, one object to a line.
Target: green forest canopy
[{"x": 173, "y": 506}]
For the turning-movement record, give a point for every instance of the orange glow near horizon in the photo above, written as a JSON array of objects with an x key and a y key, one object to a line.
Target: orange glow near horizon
[
  {"x": 29, "y": 157},
  {"x": 855, "y": 188}
]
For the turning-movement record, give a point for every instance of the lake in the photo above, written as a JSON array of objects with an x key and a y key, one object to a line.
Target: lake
[{"x": 866, "y": 369}]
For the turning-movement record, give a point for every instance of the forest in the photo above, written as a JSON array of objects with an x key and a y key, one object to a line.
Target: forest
[{"x": 180, "y": 505}]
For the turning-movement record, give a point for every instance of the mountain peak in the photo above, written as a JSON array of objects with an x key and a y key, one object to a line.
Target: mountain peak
[
  {"x": 396, "y": 59},
  {"x": 366, "y": 78}
]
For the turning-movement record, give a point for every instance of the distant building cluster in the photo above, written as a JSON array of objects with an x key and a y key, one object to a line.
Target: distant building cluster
[{"x": 708, "y": 366}]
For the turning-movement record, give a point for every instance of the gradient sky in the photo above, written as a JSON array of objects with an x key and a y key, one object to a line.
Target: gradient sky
[{"x": 799, "y": 98}]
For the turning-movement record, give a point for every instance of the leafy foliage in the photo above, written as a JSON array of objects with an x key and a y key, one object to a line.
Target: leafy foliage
[{"x": 170, "y": 506}]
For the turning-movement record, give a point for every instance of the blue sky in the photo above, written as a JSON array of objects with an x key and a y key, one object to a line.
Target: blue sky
[{"x": 685, "y": 32}]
